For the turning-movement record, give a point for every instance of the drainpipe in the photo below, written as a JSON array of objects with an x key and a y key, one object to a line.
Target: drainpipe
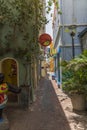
[{"x": 72, "y": 34}]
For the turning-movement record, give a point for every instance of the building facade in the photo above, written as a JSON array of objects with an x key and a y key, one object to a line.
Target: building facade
[
  {"x": 68, "y": 28},
  {"x": 18, "y": 60}
]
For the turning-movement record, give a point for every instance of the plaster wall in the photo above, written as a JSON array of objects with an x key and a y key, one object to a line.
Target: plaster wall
[{"x": 74, "y": 14}]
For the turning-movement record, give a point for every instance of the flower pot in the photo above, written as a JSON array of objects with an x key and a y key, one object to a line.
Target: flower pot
[{"x": 78, "y": 102}]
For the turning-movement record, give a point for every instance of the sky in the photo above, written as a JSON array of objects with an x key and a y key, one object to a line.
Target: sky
[{"x": 49, "y": 25}]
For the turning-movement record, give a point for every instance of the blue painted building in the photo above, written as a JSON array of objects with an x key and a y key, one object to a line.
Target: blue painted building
[{"x": 73, "y": 20}]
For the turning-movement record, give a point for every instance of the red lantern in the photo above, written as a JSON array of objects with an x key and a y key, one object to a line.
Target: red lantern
[{"x": 45, "y": 39}]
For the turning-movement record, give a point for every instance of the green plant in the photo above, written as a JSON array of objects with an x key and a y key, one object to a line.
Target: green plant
[
  {"x": 85, "y": 53},
  {"x": 56, "y": 3},
  {"x": 76, "y": 82},
  {"x": 22, "y": 19}
]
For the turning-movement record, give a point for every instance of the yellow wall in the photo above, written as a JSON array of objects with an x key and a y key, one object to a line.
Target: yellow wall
[
  {"x": 43, "y": 71},
  {"x": 52, "y": 65}
]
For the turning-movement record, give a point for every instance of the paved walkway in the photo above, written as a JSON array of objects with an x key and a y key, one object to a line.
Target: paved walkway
[{"x": 46, "y": 113}]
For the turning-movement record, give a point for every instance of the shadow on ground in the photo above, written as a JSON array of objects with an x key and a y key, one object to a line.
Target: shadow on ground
[{"x": 45, "y": 113}]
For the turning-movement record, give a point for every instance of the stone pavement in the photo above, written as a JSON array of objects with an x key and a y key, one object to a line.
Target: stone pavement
[
  {"x": 4, "y": 125},
  {"x": 52, "y": 110},
  {"x": 77, "y": 119}
]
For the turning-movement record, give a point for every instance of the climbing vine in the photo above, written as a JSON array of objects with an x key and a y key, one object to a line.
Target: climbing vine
[
  {"x": 56, "y": 3},
  {"x": 21, "y": 18}
]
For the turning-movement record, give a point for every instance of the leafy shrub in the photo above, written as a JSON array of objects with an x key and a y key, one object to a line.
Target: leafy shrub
[{"x": 75, "y": 75}]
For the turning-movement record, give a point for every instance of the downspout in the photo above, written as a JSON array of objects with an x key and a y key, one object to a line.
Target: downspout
[{"x": 63, "y": 43}]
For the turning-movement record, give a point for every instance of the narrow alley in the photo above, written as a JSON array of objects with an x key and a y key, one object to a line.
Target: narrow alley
[{"x": 46, "y": 113}]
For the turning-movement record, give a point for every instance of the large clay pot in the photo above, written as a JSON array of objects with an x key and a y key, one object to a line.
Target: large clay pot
[{"x": 78, "y": 101}]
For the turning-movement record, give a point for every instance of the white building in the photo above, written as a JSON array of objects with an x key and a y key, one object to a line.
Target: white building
[{"x": 73, "y": 20}]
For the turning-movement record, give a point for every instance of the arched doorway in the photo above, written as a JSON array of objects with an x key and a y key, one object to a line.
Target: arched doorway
[{"x": 10, "y": 69}]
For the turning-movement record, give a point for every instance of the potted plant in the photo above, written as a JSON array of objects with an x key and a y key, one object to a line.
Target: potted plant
[{"x": 75, "y": 81}]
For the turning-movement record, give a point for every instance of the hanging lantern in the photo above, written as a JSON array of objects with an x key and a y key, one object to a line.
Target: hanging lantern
[{"x": 45, "y": 39}]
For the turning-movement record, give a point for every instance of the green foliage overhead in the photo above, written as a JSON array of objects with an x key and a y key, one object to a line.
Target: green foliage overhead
[
  {"x": 50, "y": 3},
  {"x": 22, "y": 18},
  {"x": 17, "y": 11}
]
